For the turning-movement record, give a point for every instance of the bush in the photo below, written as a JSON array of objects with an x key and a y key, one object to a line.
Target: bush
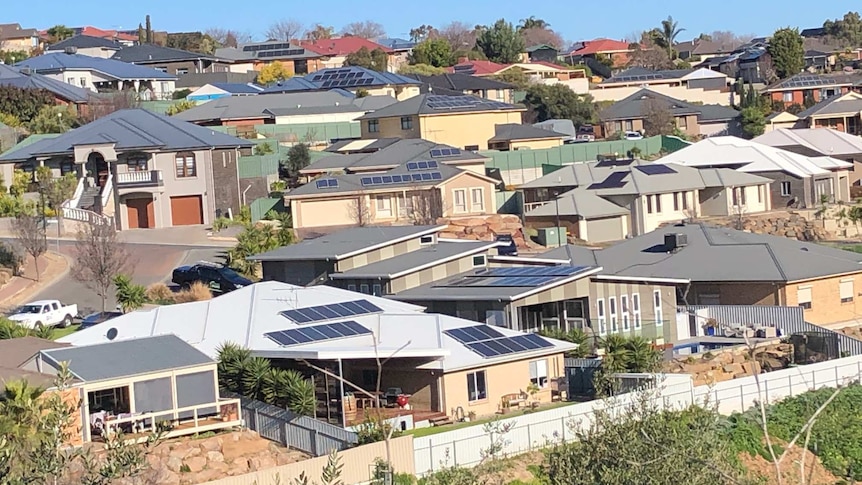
[
  {"x": 12, "y": 256},
  {"x": 196, "y": 292},
  {"x": 160, "y": 294}
]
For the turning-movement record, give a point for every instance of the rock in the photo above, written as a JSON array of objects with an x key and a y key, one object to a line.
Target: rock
[
  {"x": 179, "y": 452},
  {"x": 174, "y": 464},
  {"x": 211, "y": 444},
  {"x": 193, "y": 452},
  {"x": 215, "y": 456},
  {"x": 285, "y": 459},
  {"x": 238, "y": 467},
  {"x": 261, "y": 463},
  {"x": 196, "y": 463},
  {"x": 235, "y": 449}
]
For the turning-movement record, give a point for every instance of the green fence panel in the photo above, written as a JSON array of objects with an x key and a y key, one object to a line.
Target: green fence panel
[
  {"x": 254, "y": 166},
  {"x": 671, "y": 144},
  {"x": 260, "y": 207},
  {"x": 546, "y": 169},
  {"x": 578, "y": 152},
  {"x": 509, "y": 202}
]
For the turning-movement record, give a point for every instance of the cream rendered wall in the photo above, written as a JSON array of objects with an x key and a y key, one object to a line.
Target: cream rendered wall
[
  {"x": 650, "y": 222},
  {"x": 536, "y": 144},
  {"x": 752, "y": 204},
  {"x": 321, "y": 118},
  {"x": 242, "y": 67},
  {"x": 578, "y": 85},
  {"x": 467, "y": 129},
  {"x": 323, "y": 212},
  {"x": 677, "y": 92},
  {"x": 467, "y": 181}
]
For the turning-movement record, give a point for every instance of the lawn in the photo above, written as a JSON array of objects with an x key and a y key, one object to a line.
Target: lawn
[
  {"x": 420, "y": 432},
  {"x": 62, "y": 332}
]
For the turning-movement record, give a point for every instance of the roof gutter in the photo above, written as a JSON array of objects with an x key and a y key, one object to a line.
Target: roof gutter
[{"x": 675, "y": 281}]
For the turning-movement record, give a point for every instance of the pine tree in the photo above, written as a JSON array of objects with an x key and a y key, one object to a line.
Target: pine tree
[
  {"x": 149, "y": 31},
  {"x": 142, "y": 34}
]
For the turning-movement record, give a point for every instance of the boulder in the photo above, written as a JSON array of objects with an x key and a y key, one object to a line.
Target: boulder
[
  {"x": 211, "y": 444},
  {"x": 261, "y": 463},
  {"x": 174, "y": 464},
  {"x": 214, "y": 456},
  {"x": 235, "y": 449},
  {"x": 196, "y": 463}
]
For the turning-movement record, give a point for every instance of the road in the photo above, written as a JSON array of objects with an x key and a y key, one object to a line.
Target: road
[{"x": 149, "y": 263}]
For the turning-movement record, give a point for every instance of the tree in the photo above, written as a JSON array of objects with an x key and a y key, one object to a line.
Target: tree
[
  {"x": 60, "y": 32},
  {"x": 191, "y": 41},
  {"x": 11, "y": 57},
  {"x": 24, "y": 104},
  {"x": 427, "y": 207},
  {"x": 228, "y": 37},
  {"x": 99, "y": 258},
  {"x": 536, "y": 36},
  {"x": 366, "y": 29},
  {"x": 256, "y": 239},
  {"x": 273, "y": 73},
  {"x": 320, "y": 32},
  {"x": 180, "y": 106},
  {"x": 284, "y": 30},
  {"x": 516, "y": 77},
  {"x": 557, "y": 101},
  {"x": 419, "y": 69},
  {"x": 461, "y": 37},
  {"x": 753, "y": 122},
  {"x": 787, "y": 52},
  {"x": 30, "y": 234},
  {"x": 422, "y": 33},
  {"x": 532, "y": 23},
  {"x": 103, "y": 104},
  {"x": 501, "y": 42},
  {"x": 130, "y": 296},
  {"x": 358, "y": 210},
  {"x": 648, "y": 54},
  {"x": 434, "y": 52},
  {"x": 667, "y": 35},
  {"x": 54, "y": 119},
  {"x": 298, "y": 157},
  {"x": 149, "y": 30},
  {"x": 56, "y": 191},
  {"x": 847, "y": 30},
  {"x": 657, "y": 117},
  {"x": 376, "y": 59}
]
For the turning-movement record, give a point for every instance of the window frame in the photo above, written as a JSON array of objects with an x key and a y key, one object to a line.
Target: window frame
[
  {"x": 482, "y": 258},
  {"x": 841, "y": 293},
  {"x": 406, "y": 123},
  {"x": 649, "y": 205},
  {"x": 657, "y": 203},
  {"x": 383, "y": 206},
  {"x": 473, "y": 378},
  {"x": 657, "y": 310},
  {"x": 185, "y": 172},
  {"x": 373, "y": 126},
  {"x": 136, "y": 162},
  {"x": 787, "y": 96},
  {"x": 351, "y": 287},
  {"x": 474, "y": 207},
  {"x": 600, "y": 316},
  {"x": 676, "y": 203},
  {"x": 624, "y": 312},
  {"x": 612, "y": 314},
  {"x": 636, "y": 310},
  {"x": 456, "y": 208},
  {"x": 785, "y": 193},
  {"x": 363, "y": 288},
  {"x": 377, "y": 289},
  {"x": 807, "y": 305},
  {"x": 539, "y": 373}
]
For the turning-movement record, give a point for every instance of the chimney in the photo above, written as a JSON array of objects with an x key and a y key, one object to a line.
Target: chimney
[{"x": 463, "y": 60}]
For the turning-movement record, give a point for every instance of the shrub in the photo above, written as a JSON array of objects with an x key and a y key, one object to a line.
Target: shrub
[
  {"x": 160, "y": 294},
  {"x": 196, "y": 292},
  {"x": 12, "y": 256}
]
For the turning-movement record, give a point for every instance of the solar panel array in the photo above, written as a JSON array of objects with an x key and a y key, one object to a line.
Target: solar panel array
[
  {"x": 423, "y": 165},
  {"x": 445, "y": 152},
  {"x": 268, "y": 47},
  {"x": 534, "y": 271},
  {"x": 614, "y": 181},
  {"x": 331, "y": 312},
  {"x": 655, "y": 169},
  {"x": 342, "y": 78},
  {"x": 317, "y": 333},
  {"x": 489, "y": 342},
  {"x": 529, "y": 277},
  {"x": 641, "y": 77},
  {"x": 809, "y": 81},
  {"x": 281, "y": 53},
  {"x": 401, "y": 179},
  {"x": 327, "y": 183},
  {"x": 441, "y": 102}
]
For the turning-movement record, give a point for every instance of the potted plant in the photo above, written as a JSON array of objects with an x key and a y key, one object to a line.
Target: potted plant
[
  {"x": 710, "y": 326},
  {"x": 532, "y": 390},
  {"x": 471, "y": 416}
]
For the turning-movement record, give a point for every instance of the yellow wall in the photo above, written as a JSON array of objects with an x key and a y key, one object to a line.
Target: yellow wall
[
  {"x": 467, "y": 182},
  {"x": 536, "y": 144},
  {"x": 323, "y": 212},
  {"x": 459, "y": 130},
  {"x": 502, "y": 379},
  {"x": 826, "y": 305}
]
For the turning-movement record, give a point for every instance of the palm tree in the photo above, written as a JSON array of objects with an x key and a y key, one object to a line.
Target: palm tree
[
  {"x": 255, "y": 375},
  {"x": 667, "y": 35},
  {"x": 532, "y": 23},
  {"x": 129, "y": 295},
  {"x": 231, "y": 366},
  {"x": 643, "y": 357},
  {"x": 617, "y": 354}
]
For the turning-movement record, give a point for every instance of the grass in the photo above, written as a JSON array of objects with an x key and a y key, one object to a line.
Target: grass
[
  {"x": 431, "y": 430},
  {"x": 62, "y": 332}
]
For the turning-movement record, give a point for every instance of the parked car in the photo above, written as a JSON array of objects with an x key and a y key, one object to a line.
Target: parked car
[
  {"x": 511, "y": 249},
  {"x": 97, "y": 318},
  {"x": 44, "y": 313},
  {"x": 633, "y": 135},
  {"x": 586, "y": 133},
  {"x": 220, "y": 279}
]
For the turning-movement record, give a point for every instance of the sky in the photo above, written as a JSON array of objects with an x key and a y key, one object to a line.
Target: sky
[{"x": 575, "y": 21}]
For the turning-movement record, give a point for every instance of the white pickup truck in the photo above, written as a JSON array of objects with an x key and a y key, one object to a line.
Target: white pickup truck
[{"x": 44, "y": 313}]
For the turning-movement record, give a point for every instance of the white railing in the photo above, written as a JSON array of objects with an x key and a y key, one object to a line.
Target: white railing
[
  {"x": 76, "y": 197},
  {"x": 150, "y": 421},
  {"x": 154, "y": 176},
  {"x": 528, "y": 206},
  {"x": 107, "y": 190},
  {"x": 83, "y": 215}
]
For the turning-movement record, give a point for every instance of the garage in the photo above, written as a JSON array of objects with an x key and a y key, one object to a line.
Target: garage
[
  {"x": 140, "y": 212},
  {"x": 187, "y": 210}
]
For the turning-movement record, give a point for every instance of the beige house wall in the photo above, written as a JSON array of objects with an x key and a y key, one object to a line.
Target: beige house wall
[
  {"x": 435, "y": 273},
  {"x": 536, "y": 144},
  {"x": 648, "y": 222},
  {"x": 376, "y": 255},
  {"x": 323, "y": 212},
  {"x": 605, "y": 289},
  {"x": 467, "y": 182},
  {"x": 683, "y": 93},
  {"x": 463, "y": 130},
  {"x": 826, "y": 305},
  {"x": 500, "y": 380}
]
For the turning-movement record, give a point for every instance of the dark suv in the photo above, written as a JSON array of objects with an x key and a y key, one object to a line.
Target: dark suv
[
  {"x": 511, "y": 249},
  {"x": 220, "y": 279}
]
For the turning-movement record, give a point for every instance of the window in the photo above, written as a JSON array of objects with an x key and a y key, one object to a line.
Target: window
[
  {"x": 478, "y": 260},
  {"x": 137, "y": 164},
  {"x": 186, "y": 165},
  {"x": 477, "y": 200},
  {"x": 83, "y": 82},
  {"x": 657, "y": 203},
  {"x": 373, "y": 126},
  {"x": 406, "y": 123},
  {"x": 67, "y": 166},
  {"x": 476, "y": 390},
  {"x": 684, "y": 196},
  {"x": 161, "y": 69},
  {"x": 636, "y": 310},
  {"x": 803, "y": 297},
  {"x": 460, "y": 196},
  {"x": 624, "y": 311},
  {"x": 70, "y": 80},
  {"x": 649, "y": 207},
  {"x": 377, "y": 289},
  {"x": 426, "y": 240},
  {"x": 629, "y": 125},
  {"x": 785, "y": 189},
  {"x": 384, "y": 206},
  {"x": 739, "y": 196},
  {"x": 676, "y": 201},
  {"x": 759, "y": 194},
  {"x": 501, "y": 95},
  {"x": 682, "y": 123},
  {"x": 656, "y": 301},
  {"x": 618, "y": 126},
  {"x": 600, "y": 312},
  {"x": 405, "y": 206},
  {"x": 182, "y": 71},
  {"x": 363, "y": 288},
  {"x": 351, "y": 287},
  {"x": 846, "y": 289},
  {"x": 787, "y": 96},
  {"x": 612, "y": 309},
  {"x": 539, "y": 373}
]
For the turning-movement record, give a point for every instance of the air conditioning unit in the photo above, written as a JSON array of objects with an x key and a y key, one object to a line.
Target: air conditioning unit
[{"x": 674, "y": 241}]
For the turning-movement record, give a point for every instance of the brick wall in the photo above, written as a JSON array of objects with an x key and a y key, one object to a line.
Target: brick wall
[
  {"x": 735, "y": 293},
  {"x": 826, "y": 306}
]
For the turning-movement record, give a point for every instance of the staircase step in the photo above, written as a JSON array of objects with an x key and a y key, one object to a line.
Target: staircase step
[{"x": 440, "y": 421}]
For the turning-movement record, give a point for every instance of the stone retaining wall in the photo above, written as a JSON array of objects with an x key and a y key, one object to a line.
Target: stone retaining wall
[
  {"x": 784, "y": 224},
  {"x": 709, "y": 367},
  {"x": 484, "y": 228}
]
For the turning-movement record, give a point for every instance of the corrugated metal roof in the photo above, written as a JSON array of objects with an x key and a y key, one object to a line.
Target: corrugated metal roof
[{"x": 60, "y": 62}]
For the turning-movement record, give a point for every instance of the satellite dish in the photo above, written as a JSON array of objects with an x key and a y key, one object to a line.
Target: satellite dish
[{"x": 112, "y": 333}]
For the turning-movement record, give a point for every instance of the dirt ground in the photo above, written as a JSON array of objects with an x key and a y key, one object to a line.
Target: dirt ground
[{"x": 815, "y": 473}]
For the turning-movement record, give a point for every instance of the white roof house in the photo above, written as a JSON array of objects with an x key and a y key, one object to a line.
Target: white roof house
[
  {"x": 814, "y": 141},
  {"x": 263, "y": 317}
]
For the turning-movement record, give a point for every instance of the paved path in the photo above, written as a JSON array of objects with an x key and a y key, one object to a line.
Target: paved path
[{"x": 52, "y": 267}]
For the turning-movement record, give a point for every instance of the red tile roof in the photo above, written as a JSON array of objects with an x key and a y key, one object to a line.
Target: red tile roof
[
  {"x": 480, "y": 68},
  {"x": 342, "y": 46},
  {"x": 602, "y": 45}
]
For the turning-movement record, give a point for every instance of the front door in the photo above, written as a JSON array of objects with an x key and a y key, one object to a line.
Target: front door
[
  {"x": 140, "y": 213},
  {"x": 98, "y": 168}
]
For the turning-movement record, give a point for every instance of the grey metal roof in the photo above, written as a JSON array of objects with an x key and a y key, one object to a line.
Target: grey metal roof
[
  {"x": 633, "y": 107},
  {"x": 126, "y": 358},
  {"x": 332, "y": 78},
  {"x": 579, "y": 202},
  {"x": 352, "y": 183},
  {"x": 807, "y": 80},
  {"x": 393, "y": 154},
  {"x": 461, "y": 82},
  {"x": 419, "y": 105},
  {"x": 84, "y": 42},
  {"x": 60, "y": 62},
  {"x": 412, "y": 261},
  {"x": 153, "y": 54},
  {"x": 514, "y": 131},
  {"x": 130, "y": 129},
  {"x": 198, "y": 79},
  {"x": 719, "y": 254},
  {"x": 847, "y": 103},
  {"x": 13, "y": 76},
  {"x": 16, "y": 351},
  {"x": 251, "y": 51},
  {"x": 638, "y": 73},
  {"x": 349, "y": 241}
]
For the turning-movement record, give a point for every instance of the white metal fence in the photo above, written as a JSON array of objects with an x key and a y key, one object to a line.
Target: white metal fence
[{"x": 463, "y": 447}]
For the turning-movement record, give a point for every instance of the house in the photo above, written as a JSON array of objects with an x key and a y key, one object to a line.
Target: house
[
  {"x": 842, "y": 113},
  {"x": 102, "y": 75},
  {"x": 15, "y": 352},
  {"x": 383, "y": 154},
  {"x": 780, "y": 120},
  {"x": 467, "y": 279},
  {"x": 130, "y": 385},
  {"x": 482, "y": 87},
  {"x": 281, "y": 109},
  {"x": 222, "y": 90},
  {"x": 542, "y": 53},
  {"x": 797, "y": 180},
  {"x": 466, "y": 122},
  {"x": 124, "y": 38},
  {"x": 252, "y": 56},
  {"x": 730, "y": 267},
  {"x": 617, "y": 52},
  {"x": 172, "y": 61},
  {"x": 15, "y": 38},
  {"x": 354, "y": 79},
  {"x": 411, "y": 193},
  {"x": 749, "y": 63},
  {"x": 87, "y": 46},
  {"x": 634, "y": 113},
  {"x": 819, "y": 142},
  {"x": 64, "y": 93},
  {"x": 139, "y": 169},
  {"x": 443, "y": 363},
  {"x": 702, "y": 50},
  {"x": 611, "y": 200},
  {"x": 515, "y": 136},
  {"x": 192, "y": 81},
  {"x": 538, "y": 71},
  {"x": 812, "y": 88},
  {"x": 334, "y": 51},
  {"x": 693, "y": 85}
]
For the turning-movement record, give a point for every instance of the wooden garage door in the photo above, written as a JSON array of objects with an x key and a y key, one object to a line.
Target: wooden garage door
[
  {"x": 187, "y": 210},
  {"x": 140, "y": 212}
]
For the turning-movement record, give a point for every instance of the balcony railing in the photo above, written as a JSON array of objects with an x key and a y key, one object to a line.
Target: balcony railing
[
  {"x": 223, "y": 413},
  {"x": 149, "y": 178}
]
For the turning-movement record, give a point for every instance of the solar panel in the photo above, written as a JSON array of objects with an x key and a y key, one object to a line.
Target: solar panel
[
  {"x": 534, "y": 271},
  {"x": 655, "y": 169},
  {"x": 445, "y": 152},
  {"x": 488, "y": 342},
  {"x": 422, "y": 165},
  {"x": 613, "y": 181},
  {"x": 475, "y": 333},
  {"x": 366, "y": 181},
  {"x": 317, "y": 333},
  {"x": 327, "y": 183},
  {"x": 330, "y": 312},
  {"x": 436, "y": 176}
]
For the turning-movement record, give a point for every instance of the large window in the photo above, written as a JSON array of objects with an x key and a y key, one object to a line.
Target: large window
[
  {"x": 373, "y": 126},
  {"x": 186, "y": 166},
  {"x": 785, "y": 189},
  {"x": 477, "y": 200},
  {"x": 624, "y": 311},
  {"x": 846, "y": 290},
  {"x": 636, "y": 310},
  {"x": 612, "y": 306},
  {"x": 476, "y": 387},
  {"x": 406, "y": 123},
  {"x": 600, "y": 313},
  {"x": 787, "y": 96},
  {"x": 137, "y": 164},
  {"x": 659, "y": 315},
  {"x": 460, "y": 196},
  {"x": 67, "y": 166},
  {"x": 539, "y": 373},
  {"x": 803, "y": 297},
  {"x": 384, "y": 206}
]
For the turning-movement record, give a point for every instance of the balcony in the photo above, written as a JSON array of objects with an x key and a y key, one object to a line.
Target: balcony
[{"x": 148, "y": 178}]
